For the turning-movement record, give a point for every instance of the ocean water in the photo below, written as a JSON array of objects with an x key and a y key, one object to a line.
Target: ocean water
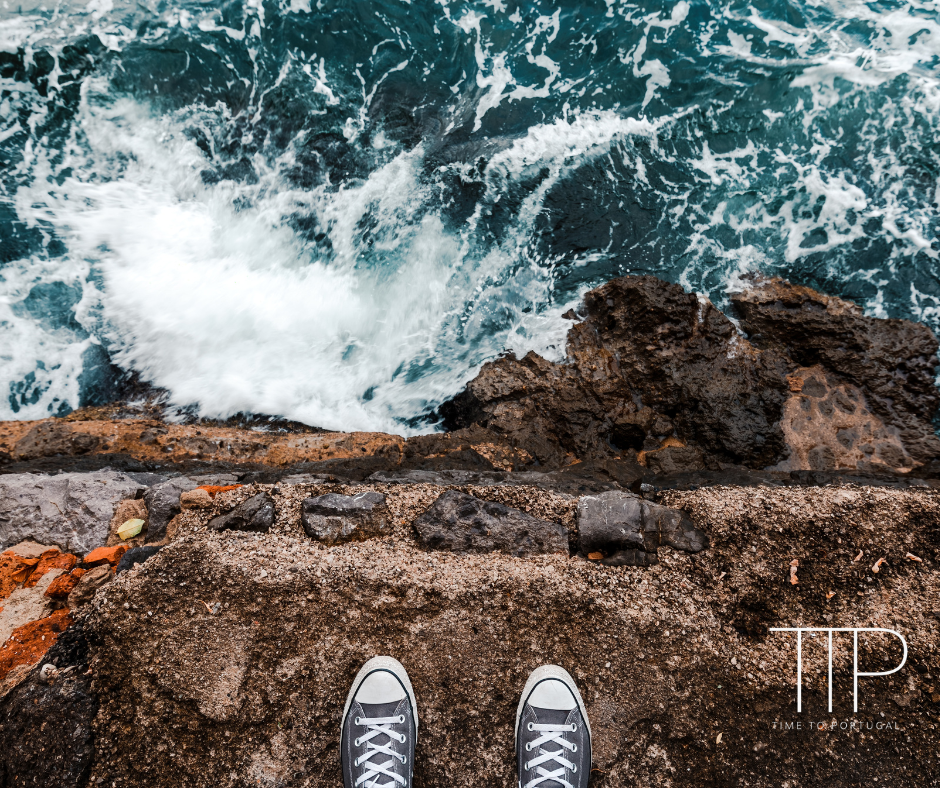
[{"x": 335, "y": 212}]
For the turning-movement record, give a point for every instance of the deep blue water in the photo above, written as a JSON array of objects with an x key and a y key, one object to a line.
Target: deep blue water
[{"x": 336, "y": 211}]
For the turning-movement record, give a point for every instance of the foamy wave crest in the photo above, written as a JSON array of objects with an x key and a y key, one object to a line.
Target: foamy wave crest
[{"x": 207, "y": 291}]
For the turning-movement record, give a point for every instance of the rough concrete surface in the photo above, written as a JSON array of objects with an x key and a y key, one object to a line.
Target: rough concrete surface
[{"x": 225, "y": 659}]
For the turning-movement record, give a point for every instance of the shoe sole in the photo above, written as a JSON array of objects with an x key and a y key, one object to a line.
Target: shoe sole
[
  {"x": 394, "y": 667},
  {"x": 550, "y": 672}
]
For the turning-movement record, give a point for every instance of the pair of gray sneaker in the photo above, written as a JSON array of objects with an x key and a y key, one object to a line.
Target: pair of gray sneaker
[{"x": 380, "y": 729}]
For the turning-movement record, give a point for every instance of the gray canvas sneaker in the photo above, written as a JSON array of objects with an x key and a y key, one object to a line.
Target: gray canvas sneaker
[
  {"x": 553, "y": 737},
  {"x": 380, "y": 727}
]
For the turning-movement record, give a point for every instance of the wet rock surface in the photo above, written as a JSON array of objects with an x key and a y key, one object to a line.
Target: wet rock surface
[
  {"x": 711, "y": 395},
  {"x": 235, "y": 650},
  {"x": 70, "y": 510},
  {"x": 334, "y": 519},
  {"x": 628, "y": 530},
  {"x": 46, "y": 726},
  {"x": 655, "y": 378},
  {"x": 640, "y": 339},
  {"x": 255, "y": 514},
  {"x": 461, "y": 523}
]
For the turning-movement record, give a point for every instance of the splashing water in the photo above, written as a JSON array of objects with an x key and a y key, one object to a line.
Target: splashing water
[{"x": 335, "y": 212}]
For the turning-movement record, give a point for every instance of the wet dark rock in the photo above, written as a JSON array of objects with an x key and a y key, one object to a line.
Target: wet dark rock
[
  {"x": 163, "y": 504},
  {"x": 460, "y": 523},
  {"x": 436, "y": 477},
  {"x": 673, "y": 459},
  {"x": 256, "y": 514},
  {"x": 629, "y": 529},
  {"x": 641, "y": 340},
  {"x": 334, "y": 518},
  {"x": 46, "y": 728},
  {"x": 137, "y": 555}
]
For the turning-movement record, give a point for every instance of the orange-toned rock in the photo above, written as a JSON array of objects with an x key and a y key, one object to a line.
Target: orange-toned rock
[
  {"x": 29, "y": 642},
  {"x": 14, "y": 571},
  {"x": 105, "y": 555},
  {"x": 51, "y": 559},
  {"x": 150, "y": 439},
  {"x": 195, "y": 499},
  {"x": 62, "y": 586},
  {"x": 215, "y": 489}
]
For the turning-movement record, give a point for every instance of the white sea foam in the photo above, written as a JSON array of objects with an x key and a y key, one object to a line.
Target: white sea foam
[{"x": 227, "y": 308}]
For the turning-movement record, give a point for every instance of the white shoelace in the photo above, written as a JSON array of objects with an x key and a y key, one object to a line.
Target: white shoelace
[
  {"x": 378, "y": 726},
  {"x": 550, "y": 734}
]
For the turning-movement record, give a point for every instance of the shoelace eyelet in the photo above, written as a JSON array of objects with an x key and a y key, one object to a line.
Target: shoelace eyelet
[
  {"x": 404, "y": 760},
  {"x": 401, "y": 718},
  {"x": 574, "y": 769},
  {"x": 574, "y": 748},
  {"x": 528, "y": 747},
  {"x": 574, "y": 727},
  {"x": 358, "y": 720},
  {"x": 529, "y": 726},
  {"x": 356, "y": 743},
  {"x": 401, "y": 737}
]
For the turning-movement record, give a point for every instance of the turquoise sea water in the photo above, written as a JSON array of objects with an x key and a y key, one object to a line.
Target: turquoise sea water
[{"x": 336, "y": 211}]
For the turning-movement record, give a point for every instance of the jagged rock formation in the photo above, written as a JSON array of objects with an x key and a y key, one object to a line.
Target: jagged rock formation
[
  {"x": 656, "y": 379},
  {"x": 658, "y": 371},
  {"x": 891, "y": 363}
]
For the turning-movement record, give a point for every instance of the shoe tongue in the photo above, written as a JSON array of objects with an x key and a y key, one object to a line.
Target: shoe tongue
[
  {"x": 551, "y": 716},
  {"x": 374, "y": 710}
]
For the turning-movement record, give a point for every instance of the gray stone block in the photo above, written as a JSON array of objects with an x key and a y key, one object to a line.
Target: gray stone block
[
  {"x": 71, "y": 510},
  {"x": 256, "y": 514},
  {"x": 163, "y": 504},
  {"x": 630, "y": 529},
  {"x": 334, "y": 518},
  {"x": 461, "y": 523}
]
